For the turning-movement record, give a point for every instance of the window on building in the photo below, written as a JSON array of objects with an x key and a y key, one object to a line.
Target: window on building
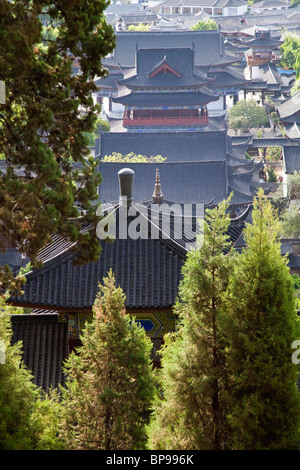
[
  {"x": 208, "y": 10},
  {"x": 197, "y": 10},
  {"x": 218, "y": 11},
  {"x": 186, "y": 10},
  {"x": 166, "y": 10},
  {"x": 176, "y": 10}
]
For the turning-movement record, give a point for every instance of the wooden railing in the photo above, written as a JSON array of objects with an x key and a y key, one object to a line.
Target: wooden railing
[{"x": 257, "y": 60}]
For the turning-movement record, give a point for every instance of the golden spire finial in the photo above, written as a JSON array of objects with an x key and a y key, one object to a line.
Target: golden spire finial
[{"x": 157, "y": 196}]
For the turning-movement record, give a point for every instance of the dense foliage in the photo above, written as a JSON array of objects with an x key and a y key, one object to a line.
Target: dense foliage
[
  {"x": 227, "y": 378},
  {"x": 204, "y": 25},
  {"x": 133, "y": 158},
  {"x": 246, "y": 114},
  {"x": 49, "y": 179},
  {"x": 260, "y": 325},
  {"x": 110, "y": 386},
  {"x": 193, "y": 412},
  {"x": 290, "y": 53}
]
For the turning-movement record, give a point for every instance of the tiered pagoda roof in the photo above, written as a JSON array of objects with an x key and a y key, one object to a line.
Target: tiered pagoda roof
[{"x": 163, "y": 83}]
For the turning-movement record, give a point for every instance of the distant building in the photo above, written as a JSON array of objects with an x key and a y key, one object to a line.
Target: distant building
[
  {"x": 261, "y": 48},
  {"x": 144, "y": 18},
  {"x": 269, "y": 5},
  {"x": 261, "y": 69},
  {"x": 211, "y": 7}
]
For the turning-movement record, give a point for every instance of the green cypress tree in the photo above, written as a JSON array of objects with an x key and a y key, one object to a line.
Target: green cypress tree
[
  {"x": 110, "y": 385},
  {"x": 260, "y": 323},
  {"x": 192, "y": 413}
]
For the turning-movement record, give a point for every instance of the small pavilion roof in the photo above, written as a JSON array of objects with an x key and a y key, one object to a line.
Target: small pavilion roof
[
  {"x": 227, "y": 78},
  {"x": 263, "y": 39}
]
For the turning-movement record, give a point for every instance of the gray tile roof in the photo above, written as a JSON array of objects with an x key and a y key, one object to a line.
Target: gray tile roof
[
  {"x": 147, "y": 270},
  {"x": 14, "y": 259},
  {"x": 293, "y": 130},
  {"x": 108, "y": 82},
  {"x": 204, "y": 3},
  {"x": 269, "y": 73},
  {"x": 238, "y": 148},
  {"x": 137, "y": 18},
  {"x": 175, "y": 146},
  {"x": 124, "y": 8},
  {"x": 190, "y": 182},
  {"x": 291, "y": 157},
  {"x": 166, "y": 99},
  {"x": 228, "y": 79},
  {"x": 262, "y": 39},
  {"x": 180, "y": 60},
  {"x": 290, "y": 106},
  {"x": 209, "y": 46},
  {"x": 45, "y": 346},
  {"x": 271, "y": 3},
  {"x": 274, "y": 20}
]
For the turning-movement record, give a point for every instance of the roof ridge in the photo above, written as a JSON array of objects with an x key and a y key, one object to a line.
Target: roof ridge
[
  {"x": 164, "y": 48},
  {"x": 207, "y": 131},
  {"x": 184, "y": 162}
]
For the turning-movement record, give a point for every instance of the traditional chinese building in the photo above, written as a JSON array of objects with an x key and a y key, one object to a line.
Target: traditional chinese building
[
  {"x": 165, "y": 96},
  {"x": 164, "y": 91},
  {"x": 261, "y": 69},
  {"x": 209, "y": 53},
  {"x": 147, "y": 268},
  {"x": 261, "y": 48},
  {"x": 227, "y": 81}
]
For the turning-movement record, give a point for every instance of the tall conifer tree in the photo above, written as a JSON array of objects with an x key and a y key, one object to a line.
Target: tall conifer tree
[
  {"x": 192, "y": 413},
  {"x": 260, "y": 324},
  {"x": 110, "y": 385}
]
